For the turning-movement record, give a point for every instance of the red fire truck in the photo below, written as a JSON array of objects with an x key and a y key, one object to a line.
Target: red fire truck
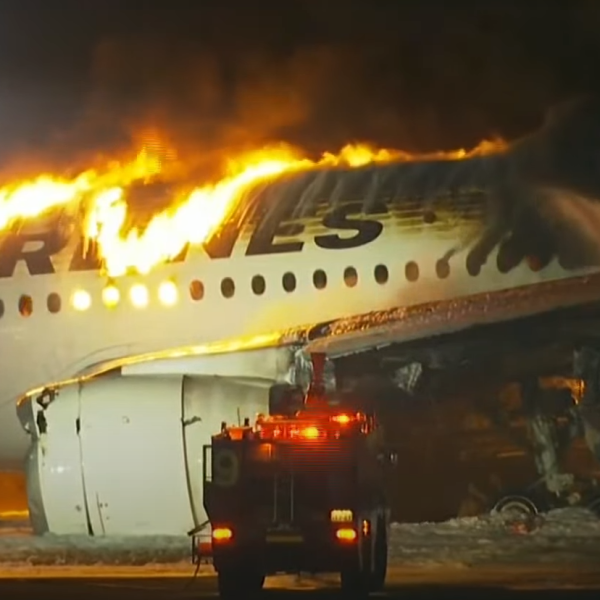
[{"x": 299, "y": 491}]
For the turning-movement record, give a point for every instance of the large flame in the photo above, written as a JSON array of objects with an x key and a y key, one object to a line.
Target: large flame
[{"x": 191, "y": 219}]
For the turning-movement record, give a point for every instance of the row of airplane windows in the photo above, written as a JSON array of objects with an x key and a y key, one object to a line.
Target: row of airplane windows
[{"x": 168, "y": 292}]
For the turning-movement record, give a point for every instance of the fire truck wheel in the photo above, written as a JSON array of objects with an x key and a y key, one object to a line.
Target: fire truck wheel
[
  {"x": 239, "y": 583},
  {"x": 381, "y": 558}
]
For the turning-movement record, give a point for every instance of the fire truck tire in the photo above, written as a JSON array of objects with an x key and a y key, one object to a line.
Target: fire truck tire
[
  {"x": 236, "y": 583},
  {"x": 381, "y": 558},
  {"x": 356, "y": 575}
]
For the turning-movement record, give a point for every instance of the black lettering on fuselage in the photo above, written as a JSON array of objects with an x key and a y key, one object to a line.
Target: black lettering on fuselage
[
  {"x": 222, "y": 243},
  {"x": 36, "y": 249},
  {"x": 86, "y": 257},
  {"x": 263, "y": 238},
  {"x": 181, "y": 257},
  {"x": 14, "y": 248},
  {"x": 271, "y": 223},
  {"x": 367, "y": 230}
]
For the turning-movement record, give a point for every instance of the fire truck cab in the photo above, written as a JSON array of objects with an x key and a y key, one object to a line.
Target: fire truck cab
[{"x": 299, "y": 491}]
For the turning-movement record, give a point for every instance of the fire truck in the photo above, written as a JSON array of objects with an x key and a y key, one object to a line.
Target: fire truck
[{"x": 299, "y": 491}]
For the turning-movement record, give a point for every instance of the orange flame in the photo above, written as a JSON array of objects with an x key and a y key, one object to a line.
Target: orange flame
[{"x": 192, "y": 219}]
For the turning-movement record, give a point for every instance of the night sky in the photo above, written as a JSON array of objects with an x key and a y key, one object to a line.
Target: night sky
[{"x": 83, "y": 76}]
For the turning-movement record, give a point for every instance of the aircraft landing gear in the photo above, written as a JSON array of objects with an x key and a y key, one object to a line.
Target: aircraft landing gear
[
  {"x": 557, "y": 410},
  {"x": 552, "y": 424},
  {"x": 517, "y": 504}
]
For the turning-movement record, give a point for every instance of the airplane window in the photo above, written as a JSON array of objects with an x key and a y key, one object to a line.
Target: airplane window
[
  {"x": 429, "y": 217},
  {"x": 25, "y": 305},
  {"x": 1, "y": 308},
  {"x": 196, "y": 290},
  {"x": 473, "y": 265},
  {"x": 138, "y": 294},
  {"x": 350, "y": 276},
  {"x": 258, "y": 285},
  {"x": 535, "y": 263},
  {"x": 411, "y": 271},
  {"x": 111, "y": 296},
  {"x": 381, "y": 274},
  {"x": 289, "y": 282},
  {"x": 442, "y": 268},
  {"x": 168, "y": 292},
  {"x": 54, "y": 303},
  {"x": 320, "y": 279},
  {"x": 227, "y": 287}
]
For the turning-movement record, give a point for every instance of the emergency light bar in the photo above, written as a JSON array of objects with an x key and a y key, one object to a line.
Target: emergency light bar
[{"x": 312, "y": 427}]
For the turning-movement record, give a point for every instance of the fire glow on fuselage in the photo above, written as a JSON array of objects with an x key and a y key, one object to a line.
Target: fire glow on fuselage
[{"x": 192, "y": 218}]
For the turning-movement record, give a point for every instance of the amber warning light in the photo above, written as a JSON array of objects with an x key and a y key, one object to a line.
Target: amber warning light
[
  {"x": 345, "y": 534},
  {"x": 222, "y": 534},
  {"x": 310, "y": 433},
  {"x": 341, "y": 419}
]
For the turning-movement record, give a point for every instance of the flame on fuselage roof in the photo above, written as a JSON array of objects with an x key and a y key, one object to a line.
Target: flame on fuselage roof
[{"x": 188, "y": 217}]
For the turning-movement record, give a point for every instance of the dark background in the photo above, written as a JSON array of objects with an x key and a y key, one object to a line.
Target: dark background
[{"x": 77, "y": 77}]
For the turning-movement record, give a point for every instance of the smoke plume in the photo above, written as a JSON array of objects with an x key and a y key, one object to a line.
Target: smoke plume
[
  {"x": 415, "y": 76},
  {"x": 542, "y": 193}
]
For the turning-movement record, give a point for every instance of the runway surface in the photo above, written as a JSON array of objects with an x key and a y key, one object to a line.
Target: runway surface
[
  {"x": 548, "y": 582},
  {"x": 555, "y": 557},
  {"x": 158, "y": 588}
]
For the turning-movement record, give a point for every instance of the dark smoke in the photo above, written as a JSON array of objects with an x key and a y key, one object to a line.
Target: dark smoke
[
  {"x": 565, "y": 153},
  {"x": 560, "y": 168},
  {"x": 542, "y": 193},
  {"x": 217, "y": 77}
]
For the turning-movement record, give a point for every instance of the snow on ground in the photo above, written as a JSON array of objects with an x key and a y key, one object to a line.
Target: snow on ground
[
  {"x": 562, "y": 536},
  {"x": 18, "y": 545}
]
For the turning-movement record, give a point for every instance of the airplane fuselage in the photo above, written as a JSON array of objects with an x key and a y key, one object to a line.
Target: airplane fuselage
[{"x": 267, "y": 275}]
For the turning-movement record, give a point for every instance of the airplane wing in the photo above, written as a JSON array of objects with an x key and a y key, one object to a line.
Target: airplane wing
[{"x": 382, "y": 328}]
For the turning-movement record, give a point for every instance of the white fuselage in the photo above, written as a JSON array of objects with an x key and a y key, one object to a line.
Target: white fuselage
[{"x": 47, "y": 347}]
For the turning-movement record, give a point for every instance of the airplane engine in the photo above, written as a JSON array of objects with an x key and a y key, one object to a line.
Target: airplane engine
[{"x": 123, "y": 455}]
